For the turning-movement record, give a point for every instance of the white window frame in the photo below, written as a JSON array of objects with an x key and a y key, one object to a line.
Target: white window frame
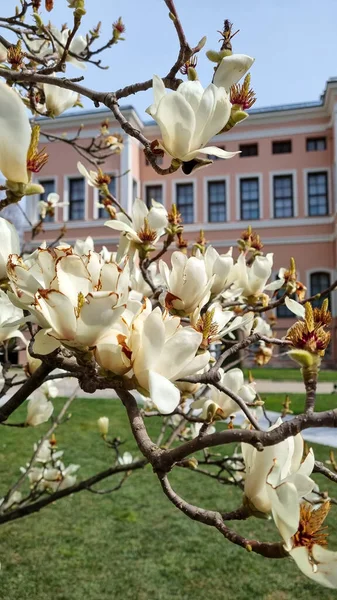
[
  {"x": 193, "y": 181},
  {"x": 252, "y": 175},
  {"x": 272, "y": 174},
  {"x": 113, "y": 173},
  {"x": 207, "y": 180},
  {"x": 307, "y": 172},
  {"x": 152, "y": 183},
  {"x": 66, "y": 186}
]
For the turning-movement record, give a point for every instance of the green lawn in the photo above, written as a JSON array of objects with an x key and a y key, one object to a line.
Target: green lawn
[
  {"x": 133, "y": 545},
  {"x": 289, "y": 374},
  {"x": 275, "y": 401}
]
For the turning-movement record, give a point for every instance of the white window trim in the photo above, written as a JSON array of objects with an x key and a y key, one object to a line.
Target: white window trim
[
  {"x": 152, "y": 183},
  {"x": 66, "y": 180},
  {"x": 195, "y": 188},
  {"x": 113, "y": 173},
  {"x": 207, "y": 180},
  {"x": 240, "y": 176},
  {"x": 306, "y": 172},
  {"x": 272, "y": 174},
  {"x": 333, "y": 277}
]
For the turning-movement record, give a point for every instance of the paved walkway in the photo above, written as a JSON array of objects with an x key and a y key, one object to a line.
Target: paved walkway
[{"x": 264, "y": 386}]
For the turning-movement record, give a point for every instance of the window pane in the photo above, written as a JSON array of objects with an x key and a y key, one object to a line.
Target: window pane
[
  {"x": 76, "y": 199},
  {"x": 248, "y": 150},
  {"x": 283, "y": 196},
  {"x": 154, "y": 192},
  {"x": 102, "y": 213},
  {"x": 316, "y": 144},
  {"x": 282, "y": 147},
  {"x": 217, "y": 201},
  {"x": 249, "y": 198},
  {"x": 185, "y": 201},
  {"x": 49, "y": 188},
  {"x": 318, "y": 283},
  {"x": 318, "y": 194}
]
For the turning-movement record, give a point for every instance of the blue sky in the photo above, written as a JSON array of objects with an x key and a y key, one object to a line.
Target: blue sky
[{"x": 294, "y": 43}]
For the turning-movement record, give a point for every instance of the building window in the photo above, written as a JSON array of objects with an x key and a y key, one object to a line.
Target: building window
[
  {"x": 248, "y": 150},
  {"x": 185, "y": 201},
  {"x": 316, "y": 144},
  {"x": 318, "y": 201},
  {"x": 154, "y": 192},
  {"x": 49, "y": 188},
  {"x": 319, "y": 282},
  {"x": 216, "y": 201},
  {"x": 249, "y": 198},
  {"x": 213, "y": 157},
  {"x": 282, "y": 147},
  {"x": 283, "y": 196},
  {"x": 102, "y": 213},
  {"x": 76, "y": 199}
]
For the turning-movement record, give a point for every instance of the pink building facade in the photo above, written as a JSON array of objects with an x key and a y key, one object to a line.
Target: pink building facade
[{"x": 283, "y": 184}]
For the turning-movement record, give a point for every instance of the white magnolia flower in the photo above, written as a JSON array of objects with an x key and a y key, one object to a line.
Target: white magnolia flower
[
  {"x": 224, "y": 405},
  {"x": 39, "y": 409},
  {"x": 219, "y": 266},
  {"x": 52, "y": 202},
  {"x": 58, "y": 99},
  {"x": 137, "y": 281},
  {"x": 75, "y": 299},
  {"x": 10, "y": 244},
  {"x": 103, "y": 425},
  {"x": 125, "y": 459},
  {"x": 14, "y": 498},
  {"x": 189, "y": 117},
  {"x": 144, "y": 229},
  {"x": 77, "y": 45},
  {"x": 287, "y": 483},
  {"x": 15, "y": 135},
  {"x": 300, "y": 524},
  {"x": 231, "y": 69},
  {"x": 94, "y": 178},
  {"x": 216, "y": 323},
  {"x": 286, "y": 454},
  {"x": 47, "y": 453},
  {"x": 188, "y": 284},
  {"x": 252, "y": 279},
  {"x": 10, "y": 315},
  {"x": 162, "y": 352}
]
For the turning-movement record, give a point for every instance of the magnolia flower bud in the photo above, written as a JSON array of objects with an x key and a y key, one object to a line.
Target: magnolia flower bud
[{"x": 103, "y": 426}]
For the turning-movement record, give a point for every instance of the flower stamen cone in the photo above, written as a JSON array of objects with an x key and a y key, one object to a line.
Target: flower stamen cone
[{"x": 242, "y": 95}]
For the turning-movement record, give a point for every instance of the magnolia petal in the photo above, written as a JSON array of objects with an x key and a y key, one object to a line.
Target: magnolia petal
[
  {"x": 44, "y": 343},
  {"x": 324, "y": 572},
  {"x": 163, "y": 393},
  {"x": 231, "y": 69},
  {"x": 295, "y": 307},
  {"x": 176, "y": 120},
  {"x": 124, "y": 227},
  {"x": 15, "y": 134},
  {"x": 215, "y": 150}
]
